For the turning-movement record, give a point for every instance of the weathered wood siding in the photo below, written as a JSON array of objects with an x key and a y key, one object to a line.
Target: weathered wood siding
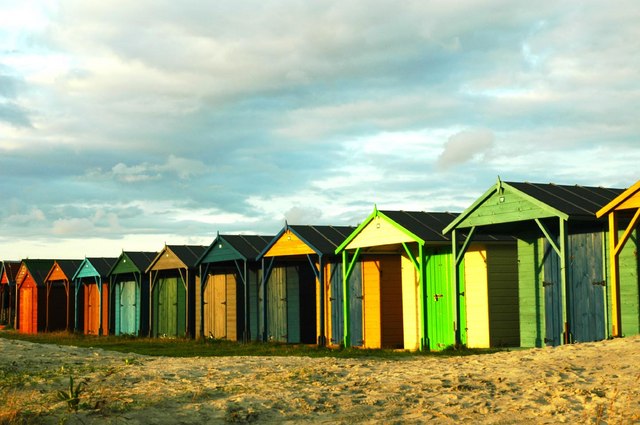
[{"x": 504, "y": 315}]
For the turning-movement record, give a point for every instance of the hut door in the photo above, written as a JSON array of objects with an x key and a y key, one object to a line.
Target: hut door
[
  {"x": 128, "y": 308},
  {"x": 220, "y": 306},
  {"x": 440, "y": 299},
  {"x": 552, "y": 296},
  {"x": 167, "y": 311},
  {"x": 92, "y": 309},
  {"x": 277, "y": 305},
  {"x": 27, "y": 307},
  {"x": 335, "y": 299},
  {"x": 585, "y": 288},
  {"x": 355, "y": 305}
]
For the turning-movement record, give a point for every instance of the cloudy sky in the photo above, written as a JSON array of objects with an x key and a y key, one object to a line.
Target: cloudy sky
[{"x": 125, "y": 125}]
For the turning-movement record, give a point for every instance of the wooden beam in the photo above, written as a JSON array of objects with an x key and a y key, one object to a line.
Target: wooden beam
[{"x": 547, "y": 235}]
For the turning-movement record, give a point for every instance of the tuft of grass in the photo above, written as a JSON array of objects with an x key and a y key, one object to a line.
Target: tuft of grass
[
  {"x": 185, "y": 347},
  {"x": 71, "y": 396}
]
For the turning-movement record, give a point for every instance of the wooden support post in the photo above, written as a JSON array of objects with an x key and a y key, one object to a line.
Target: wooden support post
[{"x": 566, "y": 337}]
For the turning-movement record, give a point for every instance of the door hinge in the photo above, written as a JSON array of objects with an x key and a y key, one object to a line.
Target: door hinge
[
  {"x": 600, "y": 283},
  {"x": 546, "y": 283}
]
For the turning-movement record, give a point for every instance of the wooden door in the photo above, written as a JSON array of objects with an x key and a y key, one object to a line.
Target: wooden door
[
  {"x": 585, "y": 288},
  {"x": 440, "y": 298},
  {"x": 128, "y": 308},
  {"x": 552, "y": 284},
  {"x": 28, "y": 304},
  {"x": 220, "y": 306}
]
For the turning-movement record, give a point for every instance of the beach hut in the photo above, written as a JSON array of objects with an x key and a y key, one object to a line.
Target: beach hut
[
  {"x": 92, "y": 308},
  {"x": 623, "y": 214},
  {"x": 172, "y": 282},
  {"x": 561, "y": 274},
  {"x": 8, "y": 292},
  {"x": 128, "y": 281},
  {"x": 31, "y": 292},
  {"x": 227, "y": 298},
  {"x": 296, "y": 284},
  {"x": 407, "y": 298},
  {"x": 60, "y": 298}
]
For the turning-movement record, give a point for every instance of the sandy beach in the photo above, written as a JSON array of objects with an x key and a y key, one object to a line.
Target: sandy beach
[{"x": 582, "y": 383}]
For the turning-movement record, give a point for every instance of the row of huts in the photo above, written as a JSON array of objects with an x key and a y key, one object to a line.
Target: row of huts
[{"x": 525, "y": 265}]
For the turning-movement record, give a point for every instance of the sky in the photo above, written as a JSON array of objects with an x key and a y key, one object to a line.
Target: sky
[{"x": 127, "y": 125}]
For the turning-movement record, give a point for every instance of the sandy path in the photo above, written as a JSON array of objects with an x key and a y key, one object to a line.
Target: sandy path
[{"x": 573, "y": 384}]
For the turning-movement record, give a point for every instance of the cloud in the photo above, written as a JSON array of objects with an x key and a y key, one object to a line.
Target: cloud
[
  {"x": 465, "y": 146},
  {"x": 182, "y": 168}
]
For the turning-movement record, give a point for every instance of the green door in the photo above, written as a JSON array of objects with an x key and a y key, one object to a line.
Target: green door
[
  {"x": 128, "y": 308},
  {"x": 166, "y": 303},
  {"x": 439, "y": 299},
  {"x": 277, "y": 305}
]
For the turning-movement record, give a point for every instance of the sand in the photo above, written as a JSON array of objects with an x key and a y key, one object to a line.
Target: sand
[{"x": 582, "y": 383}]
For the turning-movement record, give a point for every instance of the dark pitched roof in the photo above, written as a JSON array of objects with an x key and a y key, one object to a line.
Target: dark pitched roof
[
  {"x": 249, "y": 246},
  {"x": 69, "y": 267},
  {"x": 323, "y": 239},
  {"x": 141, "y": 259},
  {"x": 38, "y": 269},
  {"x": 102, "y": 265},
  {"x": 576, "y": 201},
  {"x": 428, "y": 226},
  {"x": 188, "y": 254}
]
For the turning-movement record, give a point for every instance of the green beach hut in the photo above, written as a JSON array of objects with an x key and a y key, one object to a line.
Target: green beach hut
[
  {"x": 562, "y": 277},
  {"x": 227, "y": 297},
  {"x": 130, "y": 295},
  {"x": 173, "y": 278}
]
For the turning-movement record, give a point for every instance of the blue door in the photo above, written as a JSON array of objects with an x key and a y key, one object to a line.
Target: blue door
[
  {"x": 355, "y": 305},
  {"x": 552, "y": 296},
  {"x": 585, "y": 288}
]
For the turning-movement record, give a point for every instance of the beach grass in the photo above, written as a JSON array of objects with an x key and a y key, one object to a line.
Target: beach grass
[{"x": 184, "y": 347}]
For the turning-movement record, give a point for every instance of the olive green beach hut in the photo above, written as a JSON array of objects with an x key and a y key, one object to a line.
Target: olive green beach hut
[
  {"x": 172, "y": 287},
  {"x": 562, "y": 276},
  {"x": 227, "y": 297},
  {"x": 407, "y": 296},
  {"x": 623, "y": 215},
  {"x": 129, "y": 293},
  {"x": 296, "y": 288}
]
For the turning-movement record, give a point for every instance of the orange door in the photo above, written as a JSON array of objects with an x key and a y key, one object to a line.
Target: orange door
[{"x": 92, "y": 309}]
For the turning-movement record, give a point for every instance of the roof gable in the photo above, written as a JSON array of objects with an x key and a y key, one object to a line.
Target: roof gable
[
  {"x": 94, "y": 267},
  {"x": 235, "y": 247},
  {"x": 307, "y": 239},
  {"x": 177, "y": 257},
  {"x": 629, "y": 199},
  {"x": 508, "y": 202},
  {"x": 62, "y": 270},
  {"x": 132, "y": 262}
]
